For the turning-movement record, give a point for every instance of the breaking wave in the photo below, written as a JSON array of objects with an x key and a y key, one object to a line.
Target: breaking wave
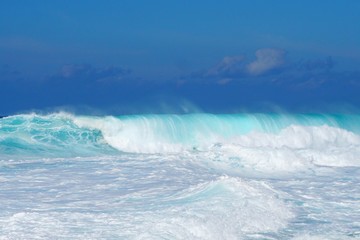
[{"x": 260, "y": 139}]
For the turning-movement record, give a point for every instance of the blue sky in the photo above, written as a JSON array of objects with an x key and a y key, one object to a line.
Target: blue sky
[{"x": 134, "y": 56}]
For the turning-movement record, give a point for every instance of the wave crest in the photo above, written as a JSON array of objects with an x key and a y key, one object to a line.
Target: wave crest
[{"x": 259, "y": 139}]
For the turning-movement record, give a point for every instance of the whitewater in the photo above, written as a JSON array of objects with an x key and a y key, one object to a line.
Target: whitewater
[{"x": 190, "y": 176}]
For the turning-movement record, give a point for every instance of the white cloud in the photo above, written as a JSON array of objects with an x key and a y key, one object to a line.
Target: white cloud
[
  {"x": 237, "y": 66},
  {"x": 230, "y": 65},
  {"x": 266, "y": 59}
]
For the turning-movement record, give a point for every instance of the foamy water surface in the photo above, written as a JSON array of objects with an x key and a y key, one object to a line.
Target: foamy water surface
[{"x": 196, "y": 176}]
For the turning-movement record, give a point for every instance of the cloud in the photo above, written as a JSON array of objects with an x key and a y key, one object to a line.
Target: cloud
[
  {"x": 316, "y": 64},
  {"x": 238, "y": 67},
  {"x": 229, "y": 66},
  {"x": 87, "y": 72},
  {"x": 224, "y": 81},
  {"x": 270, "y": 65},
  {"x": 267, "y": 59}
]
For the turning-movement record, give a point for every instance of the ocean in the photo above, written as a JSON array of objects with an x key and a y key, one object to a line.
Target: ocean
[{"x": 189, "y": 176}]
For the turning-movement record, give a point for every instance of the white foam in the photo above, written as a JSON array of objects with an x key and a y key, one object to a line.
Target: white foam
[
  {"x": 177, "y": 193},
  {"x": 226, "y": 208},
  {"x": 301, "y": 137},
  {"x": 322, "y": 237},
  {"x": 133, "y": 136},
  {"x": 293, "y": 148},
  {"x": 229, "y": 208}
]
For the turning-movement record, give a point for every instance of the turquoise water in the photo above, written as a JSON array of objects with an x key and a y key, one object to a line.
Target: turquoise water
[{"x": 194, "y": 176}]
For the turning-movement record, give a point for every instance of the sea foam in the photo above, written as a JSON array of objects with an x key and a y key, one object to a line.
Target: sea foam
[{"x": 192, "y": 176}]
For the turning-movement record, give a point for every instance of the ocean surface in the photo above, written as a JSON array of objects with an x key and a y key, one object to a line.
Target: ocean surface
[{"x": 192, "y": 176}]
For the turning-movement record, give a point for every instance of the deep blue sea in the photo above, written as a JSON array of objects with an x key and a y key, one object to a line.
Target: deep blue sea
[{"x": 191, "y": 176}]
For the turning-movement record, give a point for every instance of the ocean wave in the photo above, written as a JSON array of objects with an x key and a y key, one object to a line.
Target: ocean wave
[{"x": 254, "y": 139}]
